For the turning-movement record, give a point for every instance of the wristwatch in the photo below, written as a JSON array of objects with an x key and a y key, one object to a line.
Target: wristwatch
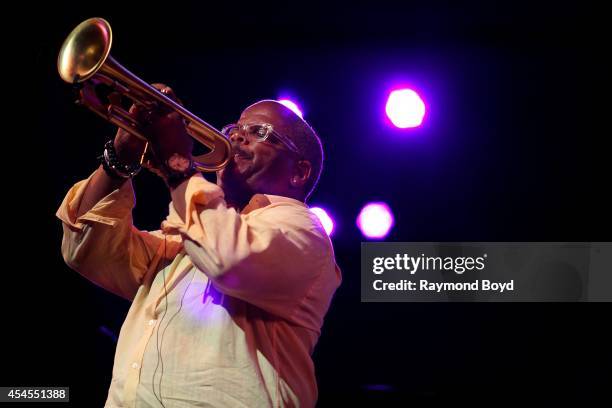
[
  {"x": 178, "y": 163},
  {"x": 179, "y": 168}
]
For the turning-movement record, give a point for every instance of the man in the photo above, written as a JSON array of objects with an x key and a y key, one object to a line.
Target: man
[{"x": 228, "y": 298}]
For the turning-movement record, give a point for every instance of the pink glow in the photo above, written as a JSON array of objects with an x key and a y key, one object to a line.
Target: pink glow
[
  {"x": 405, "y": 108},
  {"x": 375, "y": 220}
]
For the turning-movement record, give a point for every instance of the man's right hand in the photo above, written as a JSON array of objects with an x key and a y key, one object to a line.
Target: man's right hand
[{"x": 128, "y": 147}]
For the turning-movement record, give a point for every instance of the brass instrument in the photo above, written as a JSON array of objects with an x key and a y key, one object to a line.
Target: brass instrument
[{"x": 84, "y": 61}]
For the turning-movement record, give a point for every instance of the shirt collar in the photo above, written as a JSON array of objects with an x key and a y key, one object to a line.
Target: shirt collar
[{"x": 263, "y": 200}]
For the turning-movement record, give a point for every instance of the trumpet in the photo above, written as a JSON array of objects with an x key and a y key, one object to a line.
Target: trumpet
[{"x": 85, "y": 62}]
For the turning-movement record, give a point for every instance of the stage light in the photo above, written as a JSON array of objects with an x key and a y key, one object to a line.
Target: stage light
[
  {"x": 405, "y": 108},
  {"x": 293, "y": 106},
  {"x": 328, "y": 223},
  {"x": 375, "y": 220}
]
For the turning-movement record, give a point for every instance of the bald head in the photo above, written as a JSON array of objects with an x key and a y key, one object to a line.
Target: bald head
[{"x": 289, "y": 124}]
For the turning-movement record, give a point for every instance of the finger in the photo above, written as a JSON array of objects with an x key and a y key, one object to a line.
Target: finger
[
  {"x": 159, "y": 86},
  {"x": 165, "y": 89},
  {"x": 141, "y": 114},
  {"x": 169, "y": 92}
]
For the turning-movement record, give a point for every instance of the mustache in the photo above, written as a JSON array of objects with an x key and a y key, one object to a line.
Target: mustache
[{"x": 237, "y": 150}]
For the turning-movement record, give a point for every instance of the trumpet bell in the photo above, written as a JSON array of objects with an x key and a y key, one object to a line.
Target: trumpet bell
[
  {"x": 85, "y": 50},
  {"x": 85, "y": 61}
]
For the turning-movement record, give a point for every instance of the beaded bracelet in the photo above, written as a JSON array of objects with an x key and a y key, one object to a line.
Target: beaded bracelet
[{"x": 113, "y": 167}]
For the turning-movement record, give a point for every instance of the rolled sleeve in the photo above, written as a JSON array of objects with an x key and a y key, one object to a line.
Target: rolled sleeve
[
  {"x": 110, "y": 210},
  {"x": 103, "y": 245}
]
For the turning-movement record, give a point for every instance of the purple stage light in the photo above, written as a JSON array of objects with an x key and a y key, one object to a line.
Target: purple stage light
[
  {"x": 328, "y": 223},
  {"x": 375, "y": 220},
  {"x": 405, "y": 108},
  {"x": 293, "y": 106}
]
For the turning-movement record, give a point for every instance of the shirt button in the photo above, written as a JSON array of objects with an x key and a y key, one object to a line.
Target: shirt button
[
  {"x": 152, "y": 322},
  {"x": 134, "y": 365}
]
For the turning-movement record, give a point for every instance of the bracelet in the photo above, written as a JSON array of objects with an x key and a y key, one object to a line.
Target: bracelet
[{"x": 113, "y": 167}]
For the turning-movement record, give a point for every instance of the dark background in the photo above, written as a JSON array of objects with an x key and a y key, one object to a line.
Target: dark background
[{"x": 513, "y": 149}]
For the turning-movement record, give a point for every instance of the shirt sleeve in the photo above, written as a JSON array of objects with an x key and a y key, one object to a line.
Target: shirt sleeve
[
  {"x": 270, "y": 257},
  {"x": 104, "y": 246}
]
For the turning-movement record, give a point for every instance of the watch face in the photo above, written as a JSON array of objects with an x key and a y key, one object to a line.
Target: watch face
[{"x": 178, "y": 163}]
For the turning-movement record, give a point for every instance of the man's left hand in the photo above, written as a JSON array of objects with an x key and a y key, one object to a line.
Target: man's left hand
[{"x": 167, "y": 134}]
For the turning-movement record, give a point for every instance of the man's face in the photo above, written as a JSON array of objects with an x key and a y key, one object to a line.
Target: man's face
[{"x": 259, "y": 167}]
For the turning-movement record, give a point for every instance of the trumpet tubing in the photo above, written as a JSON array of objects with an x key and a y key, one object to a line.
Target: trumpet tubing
[{"x": 85, "y": 61}]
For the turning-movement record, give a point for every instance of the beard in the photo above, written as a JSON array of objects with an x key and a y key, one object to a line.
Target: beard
[{"x": 233, "y": 179}]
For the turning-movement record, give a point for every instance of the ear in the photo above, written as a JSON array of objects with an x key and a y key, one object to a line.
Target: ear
[{"x": 301, "y": 173}]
